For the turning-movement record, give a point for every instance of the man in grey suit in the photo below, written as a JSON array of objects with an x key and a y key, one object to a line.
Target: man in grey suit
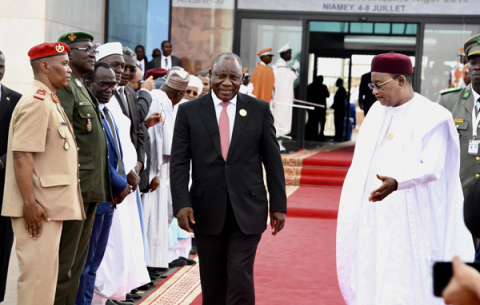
[{"x": 461, "y": 102}]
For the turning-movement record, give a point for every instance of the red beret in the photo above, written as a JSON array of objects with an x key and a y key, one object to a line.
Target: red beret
[
  {"x": 392, "y": 63},
  {"x": 156, "y": 73},
  {"x": 48, "y": 49}
]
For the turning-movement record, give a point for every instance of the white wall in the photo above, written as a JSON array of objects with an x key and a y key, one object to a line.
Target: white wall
[{"x": 26, "y": 23}]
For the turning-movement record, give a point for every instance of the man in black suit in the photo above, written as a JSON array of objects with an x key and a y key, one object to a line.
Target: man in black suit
[
  {"x": 226, "y": 136},
  {"x": 167, "y": 60},
  {"x": 365, "y": 94},
  {"x": 8, "y": 101}
]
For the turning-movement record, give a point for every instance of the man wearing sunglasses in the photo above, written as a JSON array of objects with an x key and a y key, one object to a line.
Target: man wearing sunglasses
[
  {"x": 82, "y": 111},
  {"x": 401, "y": 207}
]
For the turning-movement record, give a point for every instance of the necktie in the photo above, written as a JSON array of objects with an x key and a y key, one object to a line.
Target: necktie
[
  {"x": 123, "y": 100},
  {"x": 166, "y": 63},
  {"x": 114, "y": 134},
  {"x": 224, "y": 128}
]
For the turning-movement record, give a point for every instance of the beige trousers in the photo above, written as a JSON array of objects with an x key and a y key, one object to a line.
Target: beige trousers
[{"x": 38, "y": 262}]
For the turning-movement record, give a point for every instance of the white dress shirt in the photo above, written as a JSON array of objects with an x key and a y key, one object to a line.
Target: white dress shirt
[
  {"x": 141, "y": 63},
  {"x": 476, "y": 96},
  {"x": 169, "y": 59},
  {"x": 231, "y": 109}
]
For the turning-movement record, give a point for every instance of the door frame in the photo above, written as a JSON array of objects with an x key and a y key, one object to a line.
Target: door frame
[{"x": 307, "y": 17}]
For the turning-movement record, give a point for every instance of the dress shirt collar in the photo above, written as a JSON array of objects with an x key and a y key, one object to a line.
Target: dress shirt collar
[
  {"x": 163, "y": 57},
  {"x": 217, "y": 101},
  {"x": 261, "y": 62}
]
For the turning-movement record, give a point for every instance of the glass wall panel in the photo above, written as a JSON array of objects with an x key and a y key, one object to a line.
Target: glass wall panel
[
  {"x": 259, "y": 34},
  {"x": 139, "y": 22},
  {"x": 441, "y": 49},
  {"x": 361, "y": 27}
]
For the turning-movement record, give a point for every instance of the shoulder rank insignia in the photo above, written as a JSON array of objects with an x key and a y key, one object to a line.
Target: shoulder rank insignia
[
  {"x": 40, "y": 94},
  {"x": 466, "y": 94},
  {"x": 78, "y": 83},
  {"x": 450, "y": 90}
]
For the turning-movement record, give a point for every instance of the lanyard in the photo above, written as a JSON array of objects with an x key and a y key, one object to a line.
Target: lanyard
[{"x": 476, "y": 120}]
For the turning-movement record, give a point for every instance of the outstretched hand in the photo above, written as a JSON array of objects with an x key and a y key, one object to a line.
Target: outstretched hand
[
  {"x": 388, "y": 186},
  {"x": 185, "y": 216},
  {"x": 277, "y": 221}
]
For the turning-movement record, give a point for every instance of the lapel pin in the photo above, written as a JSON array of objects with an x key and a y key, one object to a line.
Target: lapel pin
[
  {"x": 8, "y": 98},
  {"x": 243, "y": 112},
  {"x": 78, "y": 83}
]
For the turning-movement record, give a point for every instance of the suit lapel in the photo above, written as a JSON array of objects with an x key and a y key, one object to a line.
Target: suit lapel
[
  {"x": 5, "y": 102},
  {"x": 109, "y": 134},
  {"x": 244, "y": 106},
  {"x": 207, "y": 112},
  {"x": 117, "y": 96}
]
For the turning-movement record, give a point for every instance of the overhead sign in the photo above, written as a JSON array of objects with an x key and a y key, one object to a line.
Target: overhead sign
[
  {"x": 218, "y": 4},
  {"x": 423, "y": 7}
]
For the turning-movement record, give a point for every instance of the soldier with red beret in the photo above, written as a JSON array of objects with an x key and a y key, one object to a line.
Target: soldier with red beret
[{"x": 42, "y": 187}]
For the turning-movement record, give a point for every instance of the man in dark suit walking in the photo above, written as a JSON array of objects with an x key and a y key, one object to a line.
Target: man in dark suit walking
[
  {"x": 8, "y": 101},
  {"x": 227, "y": 136},
  {"x": 365, "y": 95},
  {"x": 167, "y": 60}
]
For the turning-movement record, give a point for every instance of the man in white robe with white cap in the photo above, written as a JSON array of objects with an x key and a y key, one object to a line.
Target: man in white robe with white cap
[
  {"x": 401, "y": 207},
  {"x": 158, "y": 204},
  {"x": 123, "y": 267},
  {"x": 283, "y": 95}
]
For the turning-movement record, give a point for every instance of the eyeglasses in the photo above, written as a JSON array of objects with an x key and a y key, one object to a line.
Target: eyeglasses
[
  {"x": 87, "y": 49},
  {"x": 375, "y": 86},
  {"x": 105, "y": 86}
]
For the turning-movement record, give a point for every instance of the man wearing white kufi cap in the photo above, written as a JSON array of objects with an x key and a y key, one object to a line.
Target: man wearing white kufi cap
[
  {"x": 283, "y": 95},
  {"x": 123, "y": 267}
]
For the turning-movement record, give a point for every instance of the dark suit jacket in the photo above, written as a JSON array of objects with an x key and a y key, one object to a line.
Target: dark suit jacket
[
  {"x": 8, "y": 102},
  {"x": 143, "y": 108},
  {"x": 365, "y": 95},
  {"x": 119, "y": 182},
  {"x": 157, "y": 62},
  {"x": 471, "y": 209},
  {"x": 196, "y": 138},
  {"x": 136, "y": 131}
]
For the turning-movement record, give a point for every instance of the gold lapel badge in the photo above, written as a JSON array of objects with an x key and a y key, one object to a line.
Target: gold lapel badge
[{"x": 243, "y": 112}]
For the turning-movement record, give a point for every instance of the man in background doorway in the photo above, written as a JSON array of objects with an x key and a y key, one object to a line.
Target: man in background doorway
[
  {"x": 317, "y": 93},
  {"x": 142, "y": 60},
  {"x": 283, "y": 96},
  {"x": 263, "y": 79},
  {"x": 339, "y": 104},
  {"x": 365, "y": 95}
]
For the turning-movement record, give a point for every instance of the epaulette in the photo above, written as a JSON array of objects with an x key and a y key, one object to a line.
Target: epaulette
[
  {"x": 450, "y": 90},
  {"x": 40, "y": 94}
]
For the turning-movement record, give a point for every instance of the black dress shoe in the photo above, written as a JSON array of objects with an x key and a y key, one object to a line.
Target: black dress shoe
[
  {"x": 153, "y": 272},
  {"x": 146, "y": 286},
  {"x": 133, "y": 291},
  {"x": 116, "y": 302},
  {"x": 188, "y": 261},
  {"x": 133, "y": 296},
  {"x": 177, "y": 263},
  {"x": 127, "y": 300}
]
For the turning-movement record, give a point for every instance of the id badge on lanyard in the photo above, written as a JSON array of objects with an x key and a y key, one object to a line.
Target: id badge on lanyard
[{"x": 473, "y": 144}]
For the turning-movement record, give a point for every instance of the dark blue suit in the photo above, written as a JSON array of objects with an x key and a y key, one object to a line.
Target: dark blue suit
[{"x": 103, "y": 222}]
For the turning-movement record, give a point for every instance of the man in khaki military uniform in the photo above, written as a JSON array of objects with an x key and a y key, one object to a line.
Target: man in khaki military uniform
[
  {"x": 81, "y": 108},
  {"x": 461, "y": 102},
  {"x": 42, "y": 188}
]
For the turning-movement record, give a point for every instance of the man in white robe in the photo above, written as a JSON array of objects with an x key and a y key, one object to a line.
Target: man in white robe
[
  {"x": 401, "y": 207},
  {"x": 283, "y": 95}
]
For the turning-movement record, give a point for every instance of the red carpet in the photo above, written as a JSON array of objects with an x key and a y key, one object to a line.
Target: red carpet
[{"x": 297, "y": 267}]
